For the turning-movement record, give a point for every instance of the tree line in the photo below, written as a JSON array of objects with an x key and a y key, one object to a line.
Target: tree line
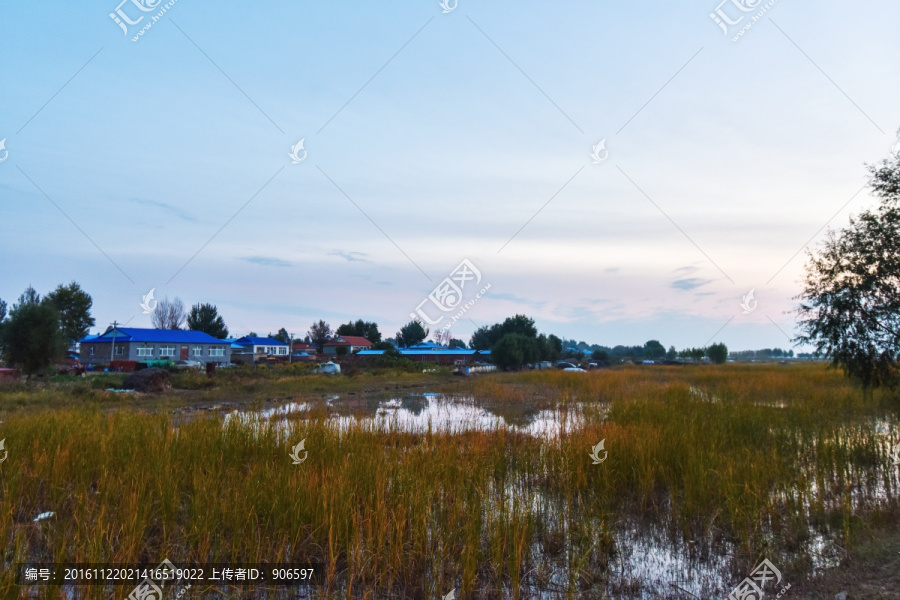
[{"x": 38, "y": 330}]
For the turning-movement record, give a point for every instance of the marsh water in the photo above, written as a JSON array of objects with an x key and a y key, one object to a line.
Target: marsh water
[{"x": 648, "y": 562}]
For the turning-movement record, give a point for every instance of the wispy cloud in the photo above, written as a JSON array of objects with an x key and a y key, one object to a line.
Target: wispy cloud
[
  {"x": 691, "y": 283},
  {"x": 349, "y": 256},
  {"x": 173, "y": 210},
  {"x": 519, "y": 300},
  {"x": 686, "y": 269},
  {"x": 267, "y": 261}
]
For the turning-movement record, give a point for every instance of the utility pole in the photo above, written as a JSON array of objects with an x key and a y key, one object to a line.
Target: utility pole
[
  {"x": 112, "y": 351},
  {"x": 291, "y": 351}
]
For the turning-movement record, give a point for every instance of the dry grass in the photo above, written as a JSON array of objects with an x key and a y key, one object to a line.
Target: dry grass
[{"x": 758, "y": 457}]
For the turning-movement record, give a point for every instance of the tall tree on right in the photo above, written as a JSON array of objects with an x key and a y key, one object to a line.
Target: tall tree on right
[{"x": 850, "y": 305}]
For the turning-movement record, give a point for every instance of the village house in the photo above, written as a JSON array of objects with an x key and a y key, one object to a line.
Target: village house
[
  {"x": 251, "y": 349},
  {"x": 353, "y": 343},
  {"x": 430, "y": 352},
  {"x": 303, "y": 352},
  {"x": 304, "y": 348},
  {"x": 141, "y": 345}
]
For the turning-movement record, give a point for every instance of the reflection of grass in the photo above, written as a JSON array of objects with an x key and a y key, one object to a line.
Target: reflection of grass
[{"x": 424, "y": 513}]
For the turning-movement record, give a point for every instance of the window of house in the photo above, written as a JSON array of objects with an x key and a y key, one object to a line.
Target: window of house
[
  {"x": 167, "y": 351},
  {"x": 282, "y": 350},
  {"x": 145, "y": 351},
  {"x": 197, "y": 350},
  {"x": 91, "y": 350},
  {"x": 120, "y": 350},
  {"x": 217, "y": 351}
]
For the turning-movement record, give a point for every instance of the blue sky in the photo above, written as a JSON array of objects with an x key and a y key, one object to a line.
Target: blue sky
[{"x": 434, "y": 137}]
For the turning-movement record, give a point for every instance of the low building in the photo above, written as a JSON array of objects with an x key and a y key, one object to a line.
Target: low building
[
  {"x": 429, "y": 352},
  {"x": 304, "y": 348},
  {"x": 141, "y": 345},
  {"x": 250, "y": 349},
  {"x": 353, "y": 343}
]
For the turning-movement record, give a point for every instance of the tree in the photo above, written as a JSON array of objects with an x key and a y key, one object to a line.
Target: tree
[
  {"x": 717, "y": 353},
  {"x": 74, "y": 307},
  {"x": 29, "y": 296},
  {"x": 519, "y": 324},
  {"x": 342, "y": 350},
  {"x": 168, "y": 315},
  {"x": 672, "y": 354},
  {"x": 695, "y": 354},
  {"x": 441, "y": 336},
  {"x": 554, "y": 345},
  {"x": 482, "y": 339},
  {"x": 2, "y": 317},
  {"x": 486, "y": 337},
  {"x": 515, "y": 350},
  {"x": 850, "y": 305},
  {"x": 366, "y": 329},
  {"x": 32, "y": 335},
  {"x": 319, "y": 333},
  {"x": 206, "y": 318},
  {"x": 654, "y": 350},
  {"x": 507, "y": 353},
  {"x": 455, "y": 343},
  {"x": 411, "y": 334},
  {"x": 282, "y": 336}
]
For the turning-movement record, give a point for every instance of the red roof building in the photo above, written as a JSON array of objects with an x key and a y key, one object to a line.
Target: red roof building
[{"x": 351, "y": 342}]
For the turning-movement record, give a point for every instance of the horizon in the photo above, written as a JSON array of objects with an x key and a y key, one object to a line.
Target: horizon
[{"x": 614, "y": 201}]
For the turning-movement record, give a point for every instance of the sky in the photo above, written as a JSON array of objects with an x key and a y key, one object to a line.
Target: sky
[{"x": 617, "y": 171}]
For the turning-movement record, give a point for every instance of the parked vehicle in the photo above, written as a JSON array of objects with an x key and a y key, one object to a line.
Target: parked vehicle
[{"x": 189, "y": 364}]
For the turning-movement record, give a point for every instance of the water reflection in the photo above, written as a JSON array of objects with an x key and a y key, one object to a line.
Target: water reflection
[{"x": 424, "y": 412}]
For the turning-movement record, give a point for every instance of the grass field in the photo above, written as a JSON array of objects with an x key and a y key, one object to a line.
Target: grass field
[{"x": 733, "y": 463}]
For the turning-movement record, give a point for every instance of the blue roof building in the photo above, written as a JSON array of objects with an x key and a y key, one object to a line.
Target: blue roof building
[
  {"x": 250, "y": 349},
  {"x": 137, "y": 344},
  {"x": 435, "y": 353}
]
